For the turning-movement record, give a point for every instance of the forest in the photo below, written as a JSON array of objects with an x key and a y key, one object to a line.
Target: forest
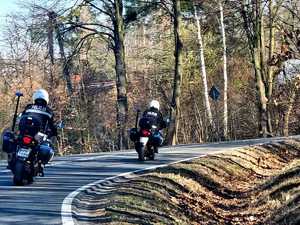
[{"x": 221, "y": 69}]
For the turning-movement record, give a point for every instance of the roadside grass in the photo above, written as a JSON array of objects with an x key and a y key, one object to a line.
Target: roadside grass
[{"x": 253, "y": 185}]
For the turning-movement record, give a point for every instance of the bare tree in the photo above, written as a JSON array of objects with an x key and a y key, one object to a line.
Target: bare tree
[
  {"x": 108, "y": 25},
  {"x": 203, "y": 67},
  {"x": 173, "y": 9},
  {"x": 225, "y": 115},
  {"x": 252, "y": 13},
  {"x": 175, "y": 104}
]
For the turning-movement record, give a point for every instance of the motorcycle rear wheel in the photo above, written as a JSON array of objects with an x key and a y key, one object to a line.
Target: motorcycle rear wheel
[
  {"x": 141, "y": 152},
  {"x": 152, "y": 156},
  {"x": 151, "y": 153},
  {"x": 19, "y": 173}
]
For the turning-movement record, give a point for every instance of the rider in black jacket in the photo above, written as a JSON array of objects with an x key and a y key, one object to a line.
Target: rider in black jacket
[
  {"x": 155, "y": 117},
  {"x": 41, "y": 119},
  {"x": 41, "y": 112}
]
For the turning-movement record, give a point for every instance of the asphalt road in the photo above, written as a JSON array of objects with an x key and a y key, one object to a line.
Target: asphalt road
[{"x": 41, "y": 202}]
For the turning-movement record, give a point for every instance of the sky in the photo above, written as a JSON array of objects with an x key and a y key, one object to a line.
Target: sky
[{"x": 6, "y": 7}]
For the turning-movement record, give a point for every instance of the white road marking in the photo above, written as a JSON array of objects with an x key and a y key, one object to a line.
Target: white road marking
[{"x": 103, "y": 156}]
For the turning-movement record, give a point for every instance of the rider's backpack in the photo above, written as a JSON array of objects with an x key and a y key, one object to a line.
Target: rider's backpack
[
  {"x": 146, "y": 122},
  {"x": 29, "y": 125}
]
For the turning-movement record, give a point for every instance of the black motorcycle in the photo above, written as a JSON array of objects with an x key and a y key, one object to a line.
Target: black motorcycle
[
  {"x": 29, "y": 150},
  {"x": 32, "y": 153},
  {"x": 145, "y": 138}
]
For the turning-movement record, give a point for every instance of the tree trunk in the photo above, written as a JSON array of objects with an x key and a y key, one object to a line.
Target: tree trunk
[
  {"x": 287, "y": 114},
  {"x": 121, "y": 79},
  {"x": 262, "y": 100},
  {"x": 261, "y": 71},
  {"x": 51, "y": 16},
  {"x": 225, "y": 115},
  {"x": 255, "y": 34},
  {"x": 270, "y": 68},
  {"x": 66, "y": 63},
  {"x": 203, "y": 68},
  {"x": 175, "y": 104}
]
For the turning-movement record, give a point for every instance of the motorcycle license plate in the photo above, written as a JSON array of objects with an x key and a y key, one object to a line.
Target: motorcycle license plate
[{"x": 23, "y": 152}]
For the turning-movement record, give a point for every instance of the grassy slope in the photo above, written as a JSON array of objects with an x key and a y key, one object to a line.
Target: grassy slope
[{"x": 255, "y": 185}]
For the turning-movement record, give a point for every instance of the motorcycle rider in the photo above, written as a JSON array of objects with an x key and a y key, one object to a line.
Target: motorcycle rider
[
  {"x": 42, "y": 115},
  {"x": 154, "y": 116},
  {"x": 40, "y": 111}
]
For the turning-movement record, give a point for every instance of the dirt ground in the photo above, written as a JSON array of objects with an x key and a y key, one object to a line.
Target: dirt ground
[{"x": 254, "y": 185}]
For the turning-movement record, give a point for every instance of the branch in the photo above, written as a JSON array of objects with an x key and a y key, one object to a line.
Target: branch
[
  {"x": 90, "y": 24},
  {"x": 110, "y": 14},
  {"x": 79, "y": 46},
  {"x": 94, "y": 30},
  {"x": 164, "y": 5}
]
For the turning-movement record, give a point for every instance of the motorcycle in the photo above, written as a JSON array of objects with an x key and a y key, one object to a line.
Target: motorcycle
[
  {"x": 28, "y": 151},
  {"x": 145, "y": 139},
  {"x": 32, "y": 153}
]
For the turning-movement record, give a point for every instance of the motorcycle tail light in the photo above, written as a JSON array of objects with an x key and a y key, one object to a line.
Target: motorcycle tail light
[
  {"x": 27, "y": 140},
  {"x": 146, "y": 133}
]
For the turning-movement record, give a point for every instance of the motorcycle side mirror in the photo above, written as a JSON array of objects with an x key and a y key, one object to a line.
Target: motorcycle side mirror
[
  {"x": 136, "y": 109},
  {"x": 60, "y": 125},
  {"x": 19, "y": 94},
  {"x": 167, "y": 120}
]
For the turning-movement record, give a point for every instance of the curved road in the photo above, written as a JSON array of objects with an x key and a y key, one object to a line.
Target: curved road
[{"x": 41, "y": 202}]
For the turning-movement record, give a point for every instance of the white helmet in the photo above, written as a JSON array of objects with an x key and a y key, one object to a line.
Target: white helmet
[
  {"x": 154, "y": 104},
  {"x": 40, "y": 94}
]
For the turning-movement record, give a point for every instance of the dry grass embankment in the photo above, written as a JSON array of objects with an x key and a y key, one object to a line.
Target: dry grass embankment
[{"x": 254, "y": 185}]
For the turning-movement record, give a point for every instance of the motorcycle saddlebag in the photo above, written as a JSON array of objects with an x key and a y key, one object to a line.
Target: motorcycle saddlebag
[
  {"x": 157, "y": 139},
  {"x": 133, "y": 134},
  {"x": 46, "y": 152},
  {"x": 8, "y": 142}
]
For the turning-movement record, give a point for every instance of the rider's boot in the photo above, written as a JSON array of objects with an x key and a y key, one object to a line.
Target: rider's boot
[{"x": 41, "y": 170}]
